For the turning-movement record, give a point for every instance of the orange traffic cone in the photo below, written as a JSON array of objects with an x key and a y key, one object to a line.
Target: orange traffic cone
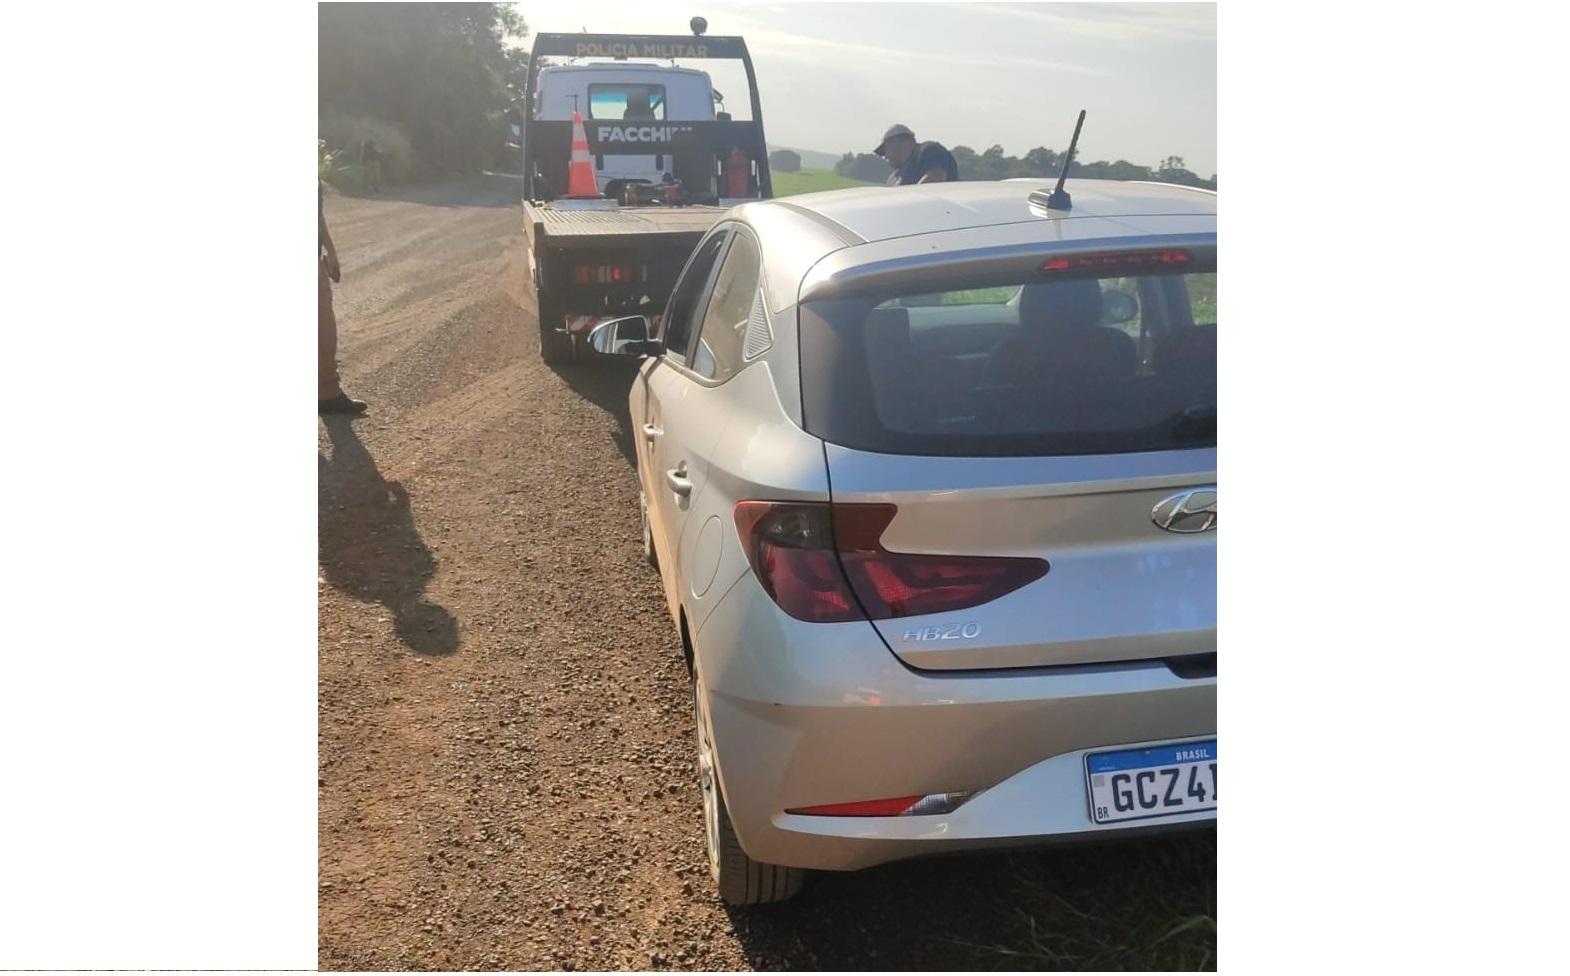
[{"x": 580, "y": 170}]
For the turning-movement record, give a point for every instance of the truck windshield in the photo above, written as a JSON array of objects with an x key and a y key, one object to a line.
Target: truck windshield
[
  {"x": 1081, "y": 365},
  {"x": 627, "y": 101}
]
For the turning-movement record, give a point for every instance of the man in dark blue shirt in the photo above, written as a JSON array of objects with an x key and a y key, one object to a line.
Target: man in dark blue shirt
[{"x": 915, "y": 162}]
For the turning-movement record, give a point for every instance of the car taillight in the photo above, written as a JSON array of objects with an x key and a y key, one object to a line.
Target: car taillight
[
  {"x": 791, "y": 548},
  {"x": 899, "y": 584},
  {"x": 824, "y": 563},
  {"x": 1119, "y": 261}
]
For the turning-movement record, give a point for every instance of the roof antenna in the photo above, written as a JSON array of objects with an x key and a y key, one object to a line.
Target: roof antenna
[{"x": 1060, "y": 200}]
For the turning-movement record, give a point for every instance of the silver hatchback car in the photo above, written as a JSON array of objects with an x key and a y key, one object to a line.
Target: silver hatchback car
[{"x": 929, "y": 476}]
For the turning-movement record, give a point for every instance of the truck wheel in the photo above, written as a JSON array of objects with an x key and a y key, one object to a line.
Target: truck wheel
[
  {"x": 741, "y": 880},
  {"x": 555, "y": 345}
]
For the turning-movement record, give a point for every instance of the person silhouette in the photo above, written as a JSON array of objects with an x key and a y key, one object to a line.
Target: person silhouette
[
  {"x": 330, "y": 396},
  {"x": 638, "y": 105},
  {"x": 369, "y": 547}
]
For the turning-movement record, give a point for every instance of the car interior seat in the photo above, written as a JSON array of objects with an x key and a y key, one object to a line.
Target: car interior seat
[
  {"x": 890, "y": 361},
  {"x": 1061, "y": 341}
]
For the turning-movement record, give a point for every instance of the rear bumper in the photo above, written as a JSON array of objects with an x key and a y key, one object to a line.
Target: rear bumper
[
  {"x": 810, "y": 714},
  {"x": 1044, "y": 803}
]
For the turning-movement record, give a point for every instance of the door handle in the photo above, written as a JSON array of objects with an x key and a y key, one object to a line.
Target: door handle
[
  {"x": 650, "y": 432},
  {"x": 676, "y": 479}
]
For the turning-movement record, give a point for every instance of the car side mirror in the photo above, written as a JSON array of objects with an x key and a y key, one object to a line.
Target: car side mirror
[{"x": 624, "y": 338}]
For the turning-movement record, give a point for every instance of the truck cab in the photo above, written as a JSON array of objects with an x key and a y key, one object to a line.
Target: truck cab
[{"x": 620, "y": 92}]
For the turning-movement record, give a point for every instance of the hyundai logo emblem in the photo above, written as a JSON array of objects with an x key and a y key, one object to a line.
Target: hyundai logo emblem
[{"x": 1188, "y": 511}]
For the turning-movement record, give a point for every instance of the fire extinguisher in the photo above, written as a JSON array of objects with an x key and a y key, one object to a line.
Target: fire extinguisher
[{"x": 738, "y": 172}]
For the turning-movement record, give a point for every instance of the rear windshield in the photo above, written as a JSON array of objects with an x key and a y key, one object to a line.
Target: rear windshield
[
  {"x": 625, "y": 102},
  {"x": 1079, "y": 365}
]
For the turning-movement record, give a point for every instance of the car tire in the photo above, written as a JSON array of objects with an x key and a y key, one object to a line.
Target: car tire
[
  {"x": 649, "y": 555},
  {"x": 555, "y": 345},
  {"x": 740, "y": 879}
]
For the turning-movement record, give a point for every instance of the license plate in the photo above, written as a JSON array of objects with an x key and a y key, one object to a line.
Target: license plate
[{"x": 1161, "y": 781}]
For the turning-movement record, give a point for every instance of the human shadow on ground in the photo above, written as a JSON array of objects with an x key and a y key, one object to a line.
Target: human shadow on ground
[{"x": 368, "y": 546}]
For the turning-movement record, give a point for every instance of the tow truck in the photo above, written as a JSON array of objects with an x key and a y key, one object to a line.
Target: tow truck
[{"x": 668, "y": 162}]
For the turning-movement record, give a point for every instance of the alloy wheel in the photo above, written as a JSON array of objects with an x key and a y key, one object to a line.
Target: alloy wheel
[{"x": 708, "y": 783}]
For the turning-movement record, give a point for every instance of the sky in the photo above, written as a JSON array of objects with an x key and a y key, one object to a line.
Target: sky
[{"x": 833, "y": 76}]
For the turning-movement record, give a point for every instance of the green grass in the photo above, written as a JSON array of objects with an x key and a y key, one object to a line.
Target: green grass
[
  {"x": 982, "y": 296},
  {"x": 1147, "y": 904},
  {"x": 1202, "y": 296},
  {"x": 1000, "y": 295},
  {"x": 1140, "y": 906},
  {"x": 810, "y": 181}
]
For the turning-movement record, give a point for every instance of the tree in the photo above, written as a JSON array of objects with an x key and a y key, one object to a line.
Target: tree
[
  {"x": 965, "y": 161},
  {"x": 785, "y": 161},
  {"x": 992, "y": 165},
  {"x": 1042, "y": 161},
  {"x": 1172, "y": 170},
  {"x": 1125, "y": 170},
  {"x": 438, "y": 73}
]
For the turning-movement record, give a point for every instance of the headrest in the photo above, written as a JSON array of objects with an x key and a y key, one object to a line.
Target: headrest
[
  {"x": 888, "y": 328},
  {"x": 1060, "y": 305}
]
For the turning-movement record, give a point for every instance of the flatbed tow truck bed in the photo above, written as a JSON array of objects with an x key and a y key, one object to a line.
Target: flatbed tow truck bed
[{"x": 637, "y": 226}]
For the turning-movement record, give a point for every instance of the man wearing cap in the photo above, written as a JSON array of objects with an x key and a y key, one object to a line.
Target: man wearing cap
[{"x": 915, "y": 162}]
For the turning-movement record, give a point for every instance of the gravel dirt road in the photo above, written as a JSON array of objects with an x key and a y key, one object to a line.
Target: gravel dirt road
[{"x": 506, "y": 764}]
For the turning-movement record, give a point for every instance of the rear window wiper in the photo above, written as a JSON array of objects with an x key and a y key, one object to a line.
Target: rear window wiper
[{"x": 1195, "y": 423}]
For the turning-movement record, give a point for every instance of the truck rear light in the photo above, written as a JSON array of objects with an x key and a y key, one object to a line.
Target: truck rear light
[
  {"x": 602, "y": 274},
  {"x": 825, "y": 563},
  {"x": 899, "y": 806},
  {"x": 1118, "y": 261}
]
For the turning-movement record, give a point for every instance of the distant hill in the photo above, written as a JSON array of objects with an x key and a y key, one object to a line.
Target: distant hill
[{"x": 811, "y": 158}]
